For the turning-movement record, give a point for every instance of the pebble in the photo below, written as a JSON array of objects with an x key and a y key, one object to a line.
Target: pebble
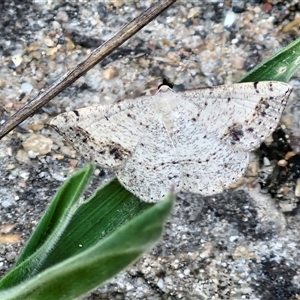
[
  {"x": 10, "y": 238},
  {"x": 257, "y": 9},
  {"x": 118, "y": 3},
  {"x": 26, "y": 87},
  {"x": 38, "y": 144},
  {"x": 289, "y": 155},
  {"x": 160, "y": 284},
  {"x": 48, "y": 42},
  {"x": 17, "y": 59},
  {"x": 62, "y": 16},
  {"x": 67, "y": 150},
  {"x": 194, "y": 12},
  {"x": 187, "y": 272},
  {"x": 229, "y": 18},
  {"x": 252, "y": 169},
  {"x": 238, "y": 63},
  {"x": 22, "y": 157},
  {"x": 32, "y": 154},
  {"x": 287, "y": 206},
  {"x": 10, "y": 167},
  {"x": 2, "y": 249},
  {"x": 110, "y": 73},
  {"x": 11, "y": 256},
  {"x": 35, "y": 127},
  {"x": 56, "y": 25},
  {"x": 242, "y": 252},
  {"x": 6, "y": 228},
  {"x": 282, "y": 163},
  {"x": 266, "y": 162},
  {"x": 297, "y": 189}
]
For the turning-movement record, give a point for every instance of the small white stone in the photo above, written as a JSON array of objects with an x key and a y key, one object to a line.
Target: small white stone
[
  {"x": 297, "y": 189},
  {"x": 230, "y": 18},
  {"x": 32, "y": 154},
  {"x": 48, "y": 42},
  {"x": 26, "y": 87},
  {"x": 17, "y": 59},
  {"x": 160, "y": 284},
  {"x": 266, "y": 162},
  {"x": 187, "y": 272}
]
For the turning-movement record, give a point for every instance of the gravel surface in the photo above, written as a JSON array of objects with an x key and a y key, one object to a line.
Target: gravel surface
[{"x": 242, "y": 244}]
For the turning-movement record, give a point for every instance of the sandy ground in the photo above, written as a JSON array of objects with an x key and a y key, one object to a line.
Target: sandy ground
[{"x": 242, "y": 244}]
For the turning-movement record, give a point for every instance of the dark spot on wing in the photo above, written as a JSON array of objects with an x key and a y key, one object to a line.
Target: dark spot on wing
[
  {"x": 130, "y": 116},
  {"x": 116, "y": 153},
  {"x": 255, "y": 86},
  {"x": 76, "y": 113},
  {"x": 271, "y": 87},
  {"x": 236, "y": 132}
]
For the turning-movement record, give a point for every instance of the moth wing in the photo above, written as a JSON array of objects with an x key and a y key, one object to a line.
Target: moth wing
[
  {"x": 208, "y": 166},
  {"x": 106, "y": 134},
  {"x": 153, "y": 169},
  {"x": 241, "y": 115}
]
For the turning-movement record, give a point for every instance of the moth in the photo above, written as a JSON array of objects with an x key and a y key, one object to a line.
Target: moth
[{"x": 195, "y": 141}]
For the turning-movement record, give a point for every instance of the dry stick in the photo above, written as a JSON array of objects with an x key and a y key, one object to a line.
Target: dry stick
[{"x": 94, "y": 58}]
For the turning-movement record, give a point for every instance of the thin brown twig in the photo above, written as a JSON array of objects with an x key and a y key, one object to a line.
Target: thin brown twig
[{"x": 94, "y": 58}]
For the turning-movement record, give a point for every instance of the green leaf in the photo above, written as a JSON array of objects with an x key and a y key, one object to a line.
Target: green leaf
[
  {"x": 56, "y": 213},
  {"x": 99, "y": 262},
  {"x": 280, "y": 67},
  {"x": 109, "y": 208}
]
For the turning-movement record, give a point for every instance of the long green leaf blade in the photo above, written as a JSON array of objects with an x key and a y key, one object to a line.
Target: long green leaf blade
[
  {"x": 108, "y": 209},
  {"x": 280, "y": 67},
  {"x": 65, "y": 198},
  {"x": 84, "y": 272}
]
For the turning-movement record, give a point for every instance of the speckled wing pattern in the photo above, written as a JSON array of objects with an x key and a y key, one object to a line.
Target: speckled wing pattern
[{"x": 196, "y": 141}]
